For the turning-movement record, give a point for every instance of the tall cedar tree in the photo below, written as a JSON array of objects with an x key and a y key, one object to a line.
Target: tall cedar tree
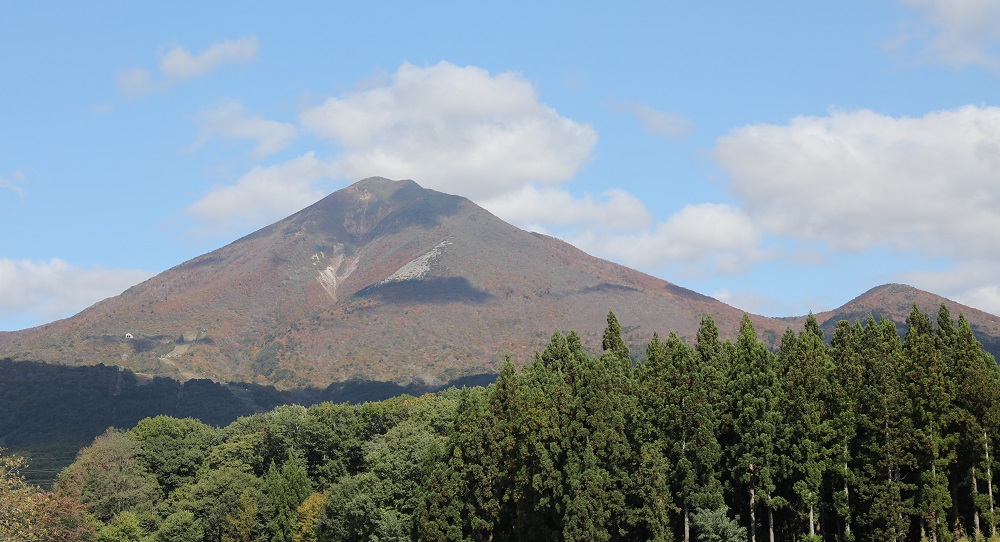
[
  {"x": 284, "y": 491},
  {"x": 809, "y": 426},
  {"x": 977, "y": 399},
  {"x": 676, "y": 398},
  {"x": 613, "y": 341},
  {"x": 576, "y": 463},
  {"x": 931, "y": 410},
  {"x": 883, "y": 434},
  {"x": 842, "y": 404},
  {"x": 756, "y": 396},
  {"x": 463, "y": 497}
]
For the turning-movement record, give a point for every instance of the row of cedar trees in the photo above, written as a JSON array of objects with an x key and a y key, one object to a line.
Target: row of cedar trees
[{"x": 867, "y": 438}]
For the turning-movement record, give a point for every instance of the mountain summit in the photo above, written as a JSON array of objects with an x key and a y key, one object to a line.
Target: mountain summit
[{"x": 381, "y": 280}]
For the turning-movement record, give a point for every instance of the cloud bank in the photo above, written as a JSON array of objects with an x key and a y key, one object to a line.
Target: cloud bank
[
  {"x": 962, "y": 32},
  {"x": 842, "y": 183},
  {"x": 231, "y": 120},
  {"x": 457, "y": 129},
  {"x": 614, "y": 210},
  {"x": 859, "y": 180},
  {"x": 262, "y": 195},
  {"x": 700, "y": 239},
  {"x": 463, "y": 130},
  {"x": 57, "y": 289}
]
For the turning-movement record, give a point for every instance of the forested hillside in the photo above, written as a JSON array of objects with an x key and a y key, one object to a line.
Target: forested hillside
[
  {"x": 48, "y": 412},
  {"x": 868, "y": 438}
]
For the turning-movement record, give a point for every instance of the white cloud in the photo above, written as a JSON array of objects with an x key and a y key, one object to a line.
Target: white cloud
[
  {"x": 985, "y": 297},
  {"x": 661, "y": 123},
  {"x": 56, "y": 289},
  {"x": 231, "y": 119},
  {"x": 13, "y": 183},
  {"x": 264, "y": 194},
  {"x": 136, "y": 82},
  {"x": 456, "y": 129},
  {"x": 178, "y": 64},
  {"x": 616, "y": 209},
  {"x": 965, "y": 32},
  {"x": 486, "y": 136},
  {"x": 750, "y": 302},
  {"x": 700, "y": 239},
  {"x": 459, "y": 130},
  {"x": 858, "y": 179},
  {"x": 972, "y": 283}
]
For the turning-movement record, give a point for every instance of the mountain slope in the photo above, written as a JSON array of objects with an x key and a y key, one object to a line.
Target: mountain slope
[
  {"x": 382, "y": 280},
  {"x": 895, "y": 301}
]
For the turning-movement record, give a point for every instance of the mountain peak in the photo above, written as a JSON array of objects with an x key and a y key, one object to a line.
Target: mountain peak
[
  {"x": 384, "y": 280},
  {"x": 379, "y": 189},
  {"x": 380, "y": 280}
]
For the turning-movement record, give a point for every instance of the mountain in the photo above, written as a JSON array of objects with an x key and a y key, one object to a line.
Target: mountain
[
  {"x": 895, "y": 301},
  {"x": 388, "y": 281}
]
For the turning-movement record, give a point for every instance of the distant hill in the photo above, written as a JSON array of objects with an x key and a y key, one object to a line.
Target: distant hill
[
  {"x": 388, "y": 281},
  {"x": 50, "y": 411},
  {"x": 77, "y": 403},
  {"x": 895, "y": 301}
]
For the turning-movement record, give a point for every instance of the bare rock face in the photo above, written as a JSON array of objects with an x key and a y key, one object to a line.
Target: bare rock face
[{"x": 385, "y": 280}]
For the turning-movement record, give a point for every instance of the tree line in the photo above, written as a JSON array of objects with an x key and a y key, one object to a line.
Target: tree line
[{"x": 865, "y": 437}]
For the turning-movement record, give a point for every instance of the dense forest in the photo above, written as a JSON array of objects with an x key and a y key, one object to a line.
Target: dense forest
[
  {"x": 867, "y": 437},
  {"x": 70, "y": 406}
]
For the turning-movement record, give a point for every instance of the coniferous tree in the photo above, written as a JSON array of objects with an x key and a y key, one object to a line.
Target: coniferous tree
[
  {"x": 931, "y": 410},
  {"x": 883, "y": 434},
  {"x": 713, "y": 365},
  {"x": 712, "y": 361},
  {"x": 613, "y": 341},
  {"x": 977, "y": 400},
  {"x": 676, "y": 398},
  {"x": 603, "y": 416},
  {"x": 843, "y": 404},
  {"x": 284, "y": 490},
  {"x": 717, "y": 526},
  {"x": 540, "y": 408},
  {"x": 463, "y": 497},
  {"x": 869, "y": 439},
  {"x": 506, "y": 405},
  {"x": 756, "y": 424},
  {"x": 654, "y": 468},
  {"x": 576, "y": 469},
  {"x": 808, "y": 424}
]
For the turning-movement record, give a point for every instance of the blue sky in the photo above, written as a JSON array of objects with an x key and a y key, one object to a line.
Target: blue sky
[{"x": 782, "y": 157}]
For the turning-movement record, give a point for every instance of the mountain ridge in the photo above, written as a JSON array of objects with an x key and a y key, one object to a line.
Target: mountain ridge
[{"x": 390, "y": 281}]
